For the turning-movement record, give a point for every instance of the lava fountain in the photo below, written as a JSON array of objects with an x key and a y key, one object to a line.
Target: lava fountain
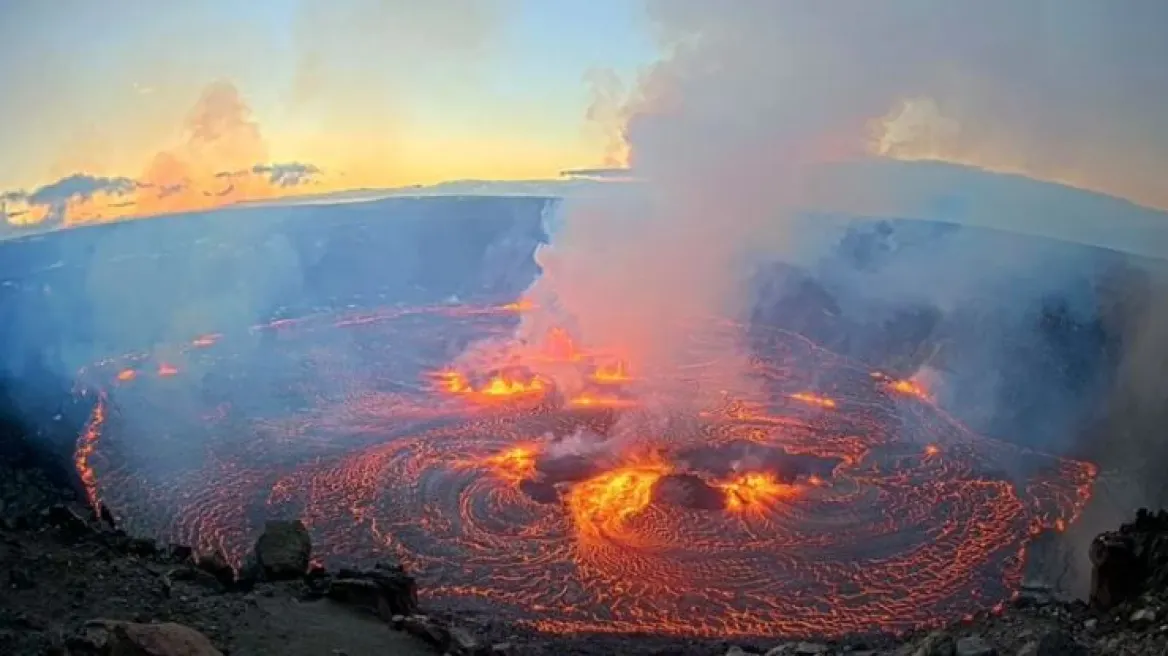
[{"x": 826, "y": 499}]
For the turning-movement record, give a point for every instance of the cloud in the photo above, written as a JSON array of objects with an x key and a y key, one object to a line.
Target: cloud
[
  {"x": 80, "y": 197},
  {"x": 51, "y": 204},
  {"x": 80, "y": 186},
  {"x": 223, "y": 158},
  {"x": 291, "y": 174}
]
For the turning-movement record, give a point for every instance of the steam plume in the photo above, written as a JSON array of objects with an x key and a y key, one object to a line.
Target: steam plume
[{"x": 731, "y": 131}]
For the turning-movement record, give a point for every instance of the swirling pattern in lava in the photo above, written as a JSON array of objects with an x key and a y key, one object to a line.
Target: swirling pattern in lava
[{"x": 838, "y": 501}]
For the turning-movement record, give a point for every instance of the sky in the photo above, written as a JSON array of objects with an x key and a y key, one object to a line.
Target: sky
[
  {"x": 113, "y": 108},
  {"x": 370, "y": 92}
]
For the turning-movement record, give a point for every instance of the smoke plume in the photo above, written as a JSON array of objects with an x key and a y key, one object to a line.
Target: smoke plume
[{"x": 731, "y": 132}]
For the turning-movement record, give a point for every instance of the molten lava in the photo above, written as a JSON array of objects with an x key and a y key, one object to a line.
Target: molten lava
[
  {"x": 583, "y": 510},
  {"x": 907, "y": 387},
  {"x": 515, "y": 464},
  {"x": 596, "y": 401},
  {"x": 813, "y": 399},
  {"x": 601, "y": 506},
  {"x": 755, "y": 491},
  {"x": 615, "y": 372},
  {"x": 499, "y": 386}
]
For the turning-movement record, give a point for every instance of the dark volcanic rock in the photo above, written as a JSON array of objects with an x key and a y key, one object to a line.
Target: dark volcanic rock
[
  {"x": 215, "y": 564},
  {"x": 1131, "y": 561},
  {"x": 386, "y": 590},
  {"x": 112, "y": 638},
  {"x": 68, "y": 521},
  {"x": 284, "y": 550},
  {"x": 938, "y": 643},
  {"x": 1054, "y": 643},
  {"x": 450, "y": 639}
]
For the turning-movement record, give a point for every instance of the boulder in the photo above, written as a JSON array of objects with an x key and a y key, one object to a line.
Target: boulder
[
  {"x": 1053, "y": 643},
  {"x": 937, "y": 643},
  {"x": 70, "y": 522},
  {"x": 1116, "y": 573},
  {"x": 1131, "y": 561},
  {"x": 113, "y": 638},
  {"x": 421, "y": 627},
  {"x": 385, "y": 590},
  {"x": 1143, "y": 618},
  {"x": 215, "y": 564},
  {"x": 284, "y": 550},
  {"x": 974, "y": 646}
]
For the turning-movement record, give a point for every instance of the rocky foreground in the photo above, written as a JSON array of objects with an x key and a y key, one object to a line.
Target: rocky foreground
[{"x": 77, "y": 585}]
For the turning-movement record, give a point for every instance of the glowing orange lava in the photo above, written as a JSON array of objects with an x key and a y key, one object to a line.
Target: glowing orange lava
[
  {"x": 126, "y": 375},
  {"x": 167, "y": 370},
  {"x": 813, "y": 399},
  {"x": 453, "y": 382},
  {"x": 613, "y": 372},
  {"x": 86, "y": 445},
  {"x": 600, "y": 506},
  {"x": 594, "y": 401},
  {"x": 906, "y": 386},
  {"x": 755, "y": 491},
  {"x": 515, "y": 464},
  {"x": 497, "y": 387},
  {"x": 910, "y": 388},
  {"x": 501, "y": 386}
]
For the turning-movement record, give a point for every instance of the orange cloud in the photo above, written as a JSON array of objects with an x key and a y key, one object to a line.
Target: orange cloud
[{"x": 223, "y": 159}]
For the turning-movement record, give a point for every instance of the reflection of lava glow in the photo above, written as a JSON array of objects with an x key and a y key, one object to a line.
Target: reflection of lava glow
[
  {"x": 204, "y": 341},
  {"x": 167, "y": 370},
  {"x": 753, "y": 515},
  {"x": 755, "y": 491}
]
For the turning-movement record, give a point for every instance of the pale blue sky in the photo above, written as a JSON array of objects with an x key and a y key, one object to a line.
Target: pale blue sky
[{"x": 103, "y": 85}]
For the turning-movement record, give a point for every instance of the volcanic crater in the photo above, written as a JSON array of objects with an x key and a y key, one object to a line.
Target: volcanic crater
[{"x": 823, "y": 498}]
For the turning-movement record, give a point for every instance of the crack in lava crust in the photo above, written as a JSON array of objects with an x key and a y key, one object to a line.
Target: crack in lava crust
[{"x": 820, "y": 510}]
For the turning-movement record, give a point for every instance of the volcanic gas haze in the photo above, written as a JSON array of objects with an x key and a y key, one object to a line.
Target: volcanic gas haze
[{"x": 732, "y": 129}]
